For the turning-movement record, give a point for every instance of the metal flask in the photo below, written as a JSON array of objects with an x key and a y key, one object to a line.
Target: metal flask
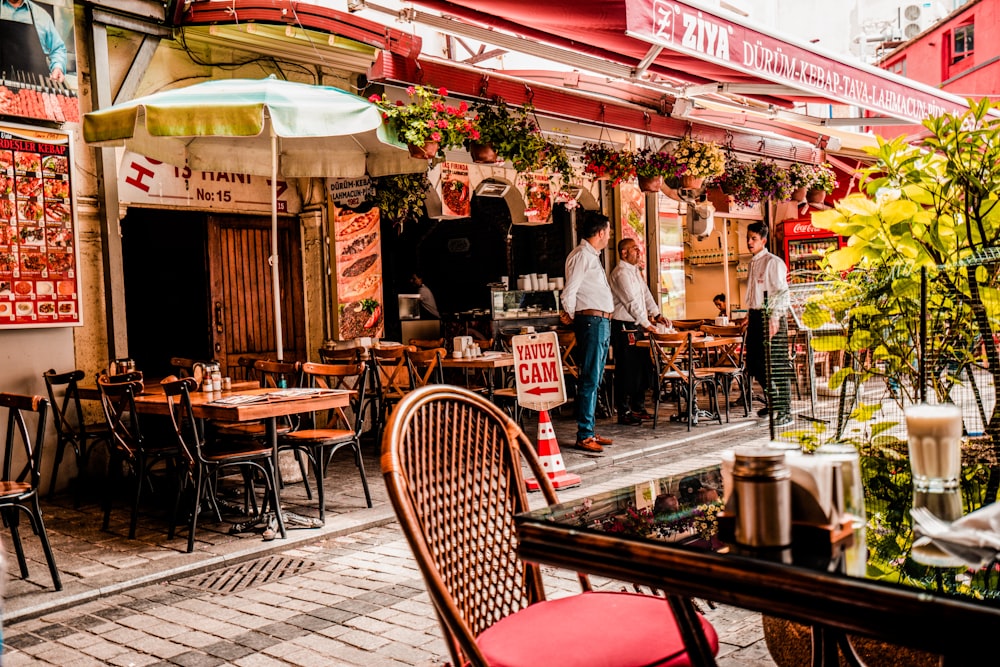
[{"x": 762, "y": 490}]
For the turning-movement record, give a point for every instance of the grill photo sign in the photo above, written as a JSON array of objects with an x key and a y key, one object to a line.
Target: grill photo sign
[{"x": 538, "y": 371}]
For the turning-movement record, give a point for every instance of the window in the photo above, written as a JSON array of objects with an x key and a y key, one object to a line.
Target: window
[
  {"x": 963, "y": 42},
  {"x": 898, "y": 67}
]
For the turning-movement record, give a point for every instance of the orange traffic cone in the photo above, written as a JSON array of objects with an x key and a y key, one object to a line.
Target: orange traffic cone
[{"x": 551, "y": 457}]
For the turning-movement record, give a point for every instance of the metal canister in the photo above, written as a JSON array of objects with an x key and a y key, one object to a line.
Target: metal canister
[{"x": 762, "y": 486}]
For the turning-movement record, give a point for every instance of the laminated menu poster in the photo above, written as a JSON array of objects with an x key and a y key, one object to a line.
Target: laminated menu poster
[
  {"x": 39, "y": 260},
  {"x": 456, "y": 195},
  {"x": 357, "y": 256},
  {"x": 538, "y": 198}
]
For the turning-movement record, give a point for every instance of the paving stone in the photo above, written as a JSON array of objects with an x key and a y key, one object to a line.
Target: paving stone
[
  {"x": 257, "y": 641},
  {"x": 228, "y": 651},
  {"x": 283, "y": 630}
]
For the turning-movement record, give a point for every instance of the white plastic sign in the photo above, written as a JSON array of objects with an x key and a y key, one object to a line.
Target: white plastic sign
[{"x": 538, "y": 371}]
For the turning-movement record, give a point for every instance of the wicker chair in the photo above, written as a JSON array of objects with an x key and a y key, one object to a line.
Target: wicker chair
[{"x": 452, "y": 464}]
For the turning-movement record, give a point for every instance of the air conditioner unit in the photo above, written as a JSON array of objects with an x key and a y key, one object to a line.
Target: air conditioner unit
[{"x": 913, "y": 21}]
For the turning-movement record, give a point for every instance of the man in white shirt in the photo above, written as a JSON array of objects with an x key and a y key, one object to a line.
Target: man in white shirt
[
  {"x": 428, "y": 305},
  {"x": 634, "y": 314},
  {"x": 587, "y": 304},
  {"x": 767, "y": 285}
]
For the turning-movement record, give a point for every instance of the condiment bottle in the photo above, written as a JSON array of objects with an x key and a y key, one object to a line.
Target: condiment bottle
[{"x": 762, "y": 493}]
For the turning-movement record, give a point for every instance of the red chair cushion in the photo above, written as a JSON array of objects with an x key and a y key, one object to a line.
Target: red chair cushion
[{"x": 590, "y": 630}]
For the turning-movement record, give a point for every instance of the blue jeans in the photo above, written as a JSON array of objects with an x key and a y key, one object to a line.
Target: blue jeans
[{"x": 593, "y": 335}]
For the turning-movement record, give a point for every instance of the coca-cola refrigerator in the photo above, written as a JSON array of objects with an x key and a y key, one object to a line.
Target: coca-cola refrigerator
[{"x": 803, "y": 245}]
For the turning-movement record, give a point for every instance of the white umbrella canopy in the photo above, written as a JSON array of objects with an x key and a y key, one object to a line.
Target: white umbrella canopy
[{"x": 263, "y": 127}]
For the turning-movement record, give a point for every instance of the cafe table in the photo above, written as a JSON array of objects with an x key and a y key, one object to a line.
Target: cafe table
[
  {"x": 244, "y": 405},
  {"x": 648, "y": 534},
  {"x": 489, "y": 362}
]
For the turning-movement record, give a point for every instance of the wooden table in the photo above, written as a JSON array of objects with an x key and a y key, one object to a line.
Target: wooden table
[
  {"x": 823, "y": 589},
  {"x": 488, "y": 362},
  {"x": 277, "y": 403},
  {"x": 90, "y": 392}
]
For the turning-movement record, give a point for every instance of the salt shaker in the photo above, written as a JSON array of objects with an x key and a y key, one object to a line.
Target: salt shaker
[
  {"x": 762, "y": 490},
  {"x": 216, "y": 378}
]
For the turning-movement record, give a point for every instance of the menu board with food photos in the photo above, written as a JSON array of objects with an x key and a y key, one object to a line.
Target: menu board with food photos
[
  {"x": 357, "y": 252},
  {"x": 39, "y": 262}
]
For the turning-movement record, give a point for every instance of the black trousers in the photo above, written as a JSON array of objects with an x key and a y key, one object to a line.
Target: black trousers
[
  {"x": 633, "y": 367},
  {"x": 779, "y": 391}
]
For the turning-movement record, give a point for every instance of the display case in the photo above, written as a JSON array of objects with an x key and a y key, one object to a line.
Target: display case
[{"x": 518, "y": 308}]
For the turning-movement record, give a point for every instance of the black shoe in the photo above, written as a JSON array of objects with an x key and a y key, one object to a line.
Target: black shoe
[
  {"x": 628, "y": 419},
  {"x": 763, "y": 412},
  {"x": 783, "y": 420}
]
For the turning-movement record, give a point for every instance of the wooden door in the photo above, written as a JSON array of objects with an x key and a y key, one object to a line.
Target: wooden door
[{"x": 241, "y": 295}]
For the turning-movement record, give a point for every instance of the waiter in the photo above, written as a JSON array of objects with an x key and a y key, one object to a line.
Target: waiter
[
  {"x": 29, "y": 41},
  {"x": 587, "y": 304}
]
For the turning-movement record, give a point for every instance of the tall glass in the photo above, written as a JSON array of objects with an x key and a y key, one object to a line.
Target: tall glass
[{"x": 934, "y": 434}]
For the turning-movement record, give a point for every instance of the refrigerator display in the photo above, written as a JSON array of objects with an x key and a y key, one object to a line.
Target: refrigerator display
[{"x": 803, "y": 245}]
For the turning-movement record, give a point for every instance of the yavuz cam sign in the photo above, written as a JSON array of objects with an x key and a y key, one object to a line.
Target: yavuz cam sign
[
  {"x": 538, "y": 370},
  {"x": 689, "y": 28}
]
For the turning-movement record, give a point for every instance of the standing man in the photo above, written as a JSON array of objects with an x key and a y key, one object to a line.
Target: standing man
[
  {"x": 587, "y": 304},
  {"x": 29, "y": 41},
  {"x": 428, "y": 305},
  {"x": 768, "y": 275},
  {"x": 635, "y": 311}
]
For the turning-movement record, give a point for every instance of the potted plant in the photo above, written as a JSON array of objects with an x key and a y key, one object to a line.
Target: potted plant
[
  {"x": 556, "y": 160},
  {"x": 799, "y": 176},
  {"x": 702, "y": 160},
  {"x": 606, "y": 162},
  {"x": 823, "y": 182},
  {"x": 772, "y": 180},
  {"x": 652, "y": 167},
  {"x": 427, "y": 124},
  {"x": 739, "y": 181},
  {"x": 506, "y": 133}
]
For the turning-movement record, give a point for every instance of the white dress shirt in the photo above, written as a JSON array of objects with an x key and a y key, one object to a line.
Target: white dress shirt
[
  {"x": 767, "y": 273},
  {"x": 586, "y": 283},
  {"x": 633, "y": 300}
]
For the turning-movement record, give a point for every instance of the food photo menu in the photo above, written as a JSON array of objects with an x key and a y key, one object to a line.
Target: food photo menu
[{"x": 39, "y": 275}]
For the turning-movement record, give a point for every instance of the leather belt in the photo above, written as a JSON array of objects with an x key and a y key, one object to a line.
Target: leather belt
[{"x": 594, "y": 313}]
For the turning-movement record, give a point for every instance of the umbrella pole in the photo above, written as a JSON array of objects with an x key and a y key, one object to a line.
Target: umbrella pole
[{"x": 274, "y": 246}]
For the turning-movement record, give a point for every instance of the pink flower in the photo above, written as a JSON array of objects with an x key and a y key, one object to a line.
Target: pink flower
[
  {"x": 463, "y": 107},
  {"x": 442, "y": 123},
  {"x": 438, "y": 106},
  {"x": 442, "y": 91},
  {"x": 410, "y": 90},
  {"x": 374, "y": 98},
  {"x": 451, "y": 111},
  {"x": 435, "y": 136},
  {"x": 474, "y": 133},
  {"x": 431, "y": 123}
]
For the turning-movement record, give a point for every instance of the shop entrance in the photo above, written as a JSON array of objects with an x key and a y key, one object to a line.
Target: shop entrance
[{"x": 198, "y": 286}]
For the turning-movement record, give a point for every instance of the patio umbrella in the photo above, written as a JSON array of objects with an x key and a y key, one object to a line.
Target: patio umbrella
[{"x": 263, "y": 127}]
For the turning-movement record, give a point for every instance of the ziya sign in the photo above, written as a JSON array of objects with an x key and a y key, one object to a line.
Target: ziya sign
[
  {"x": 691, "y": 29},
  {"x": 143, "y": 180},
  {"x": 538, "y": 370}
]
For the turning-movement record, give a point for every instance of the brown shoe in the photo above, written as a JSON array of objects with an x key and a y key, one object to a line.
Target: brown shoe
[
  {"x": 589, "y": 445},
  {"x": 601, "y": 440}
]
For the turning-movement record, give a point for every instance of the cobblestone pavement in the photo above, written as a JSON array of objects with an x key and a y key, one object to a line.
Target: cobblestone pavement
[{"x": 347, "y": 593}]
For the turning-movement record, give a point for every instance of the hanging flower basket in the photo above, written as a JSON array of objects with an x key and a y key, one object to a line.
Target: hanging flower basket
[
  {"x": 739, "y": 182},
  {"x": 816, "y": 196},
  {"x": 702, "y": 160},
  {"x": 425, "y": 152},
  {"x": 799, "y": 177},
  {"x": 482, "y": 153},
  {"x": 692, "y": 182},
  {"x": 772, "y": 180},
  {"x": 604, "y": 162},
  {"x": 427, "y": 119},
  {"x": 650, "y": 183},
  {"x": 824, "y": 178}
]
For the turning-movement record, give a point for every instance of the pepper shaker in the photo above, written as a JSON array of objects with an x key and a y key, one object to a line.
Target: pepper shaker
[{"x": 762, "y": 493}]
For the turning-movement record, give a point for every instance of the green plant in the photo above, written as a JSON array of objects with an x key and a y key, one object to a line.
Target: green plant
[
  {"x": 823, "y": 178},
  {"x": 556, "y": 160},
  {"x": 427, "y": 118},
  {"x": 702, "y": 159},
  {"x": 603, "y": 161},
  {"x": 772, "y": 180},
  {"x": 650, "y": 164},
  {"x": 401, "y": 198},
  {"x": 512, "y": 132},
  {"x": 800, "y": 175},
  {"x": 739, "y": 181}
]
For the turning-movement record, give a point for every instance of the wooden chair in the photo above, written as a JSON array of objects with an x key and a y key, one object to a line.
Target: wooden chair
[
  {"x": 347, "y": 355},
  {"x": 183, "y": 367},
  {"x": 567, "y": 341},
  {"x": 676, "y": 371},
  {"x": 201, "y": 464},
  {"x": 19, "y": 490},
  {"x": 728, "y": 367},
  {"x": 425, "y": 366},
  {"x": 459, "y": 521},
  {"x": 129, "y": 449},
  {"x": 687, "y": 325},
  {"x": 426, "y": 344},
  {"x": 323, "y": 435},
  {"x": 392, "y": 380},
  {"x": 72, "y": 428}
]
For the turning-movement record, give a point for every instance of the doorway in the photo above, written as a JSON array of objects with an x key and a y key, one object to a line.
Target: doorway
[{"x": 198, "y": 286}]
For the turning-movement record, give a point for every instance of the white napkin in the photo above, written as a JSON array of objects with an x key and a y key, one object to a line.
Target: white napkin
[
  {"x": 812, "y": 489},
  {"x": 975, "y": 538}
]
